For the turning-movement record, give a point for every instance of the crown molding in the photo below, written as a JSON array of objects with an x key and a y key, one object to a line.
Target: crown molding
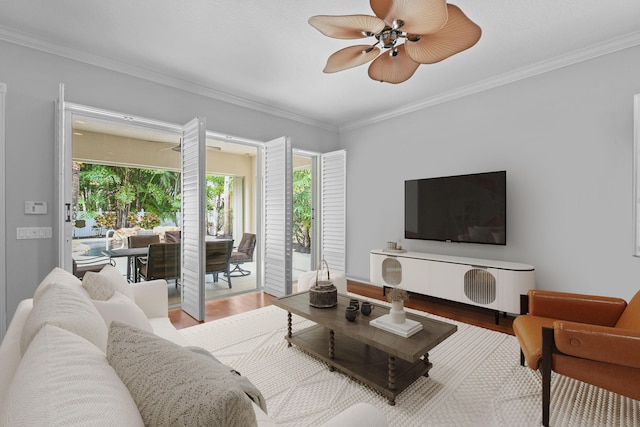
[
  {"x": 571, "y": 58},
  {"x": 591, "y": 52},
  {"x": 25, "y": 40}
]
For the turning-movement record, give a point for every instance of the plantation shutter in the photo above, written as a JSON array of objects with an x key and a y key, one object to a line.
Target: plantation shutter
[
  {"x": 278, "y": 217},
  {"x": 193, "y": 218},
  {"x": 333, "y": 208}
]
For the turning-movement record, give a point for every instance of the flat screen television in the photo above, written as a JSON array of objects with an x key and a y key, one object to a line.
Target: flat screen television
[{"x": 463, "y": 208}]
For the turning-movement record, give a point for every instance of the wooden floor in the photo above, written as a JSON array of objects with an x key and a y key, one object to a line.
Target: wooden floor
[{"x": 462, "y": 312}]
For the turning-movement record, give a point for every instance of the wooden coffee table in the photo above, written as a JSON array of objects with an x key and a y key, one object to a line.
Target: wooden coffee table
[{"x": 386, "y": 362}]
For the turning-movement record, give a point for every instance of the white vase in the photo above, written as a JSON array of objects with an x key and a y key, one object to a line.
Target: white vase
[{"x": 397, "y": 314}]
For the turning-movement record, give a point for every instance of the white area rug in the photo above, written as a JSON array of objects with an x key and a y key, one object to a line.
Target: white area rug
[{"x": 476, "y": 380}]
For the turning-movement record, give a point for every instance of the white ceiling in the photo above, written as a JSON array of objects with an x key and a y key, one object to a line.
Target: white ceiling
[{"x": 265, "y": 55}]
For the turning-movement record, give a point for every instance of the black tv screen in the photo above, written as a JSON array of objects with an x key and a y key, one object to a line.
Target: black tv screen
[{"x": 464, "y": 208}]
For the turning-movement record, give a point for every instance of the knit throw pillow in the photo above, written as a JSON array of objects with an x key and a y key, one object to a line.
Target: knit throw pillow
[
  {"x": 99, "y": 286},
  {"x": 174, "y": 386}
]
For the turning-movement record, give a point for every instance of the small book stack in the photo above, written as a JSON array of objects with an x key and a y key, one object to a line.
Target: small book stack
[{"x": 406, "y": 329}]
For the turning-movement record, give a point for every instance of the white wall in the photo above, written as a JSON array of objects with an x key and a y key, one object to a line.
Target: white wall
[
  {"x": 32, "y": 79},
  {"x": 565, "y": 139}
]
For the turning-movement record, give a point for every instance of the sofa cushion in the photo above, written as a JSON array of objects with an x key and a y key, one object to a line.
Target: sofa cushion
[
  {"x": 57, "y": 275},
  {"x": 69, "y": 309},
  {"x": 118, "y": 281},
  {"x": 99, "y": 286},
  {"x": 122, "y": 309},
  {"x": 174, "y": 386},
  {"x": 64, "y": 380}
]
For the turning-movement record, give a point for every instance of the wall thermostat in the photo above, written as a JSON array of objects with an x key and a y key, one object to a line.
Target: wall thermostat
[{"x": 35, "y": 208}]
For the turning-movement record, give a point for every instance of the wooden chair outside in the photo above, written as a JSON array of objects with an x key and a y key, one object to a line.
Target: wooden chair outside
[
  {"x": 218, "y": 256},
  {"x": 163, "y": 262}
]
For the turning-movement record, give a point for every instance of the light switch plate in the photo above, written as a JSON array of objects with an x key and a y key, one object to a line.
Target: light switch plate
[
  {"x": 35, "y": 208},
  {"x": 34, "y": 233}
]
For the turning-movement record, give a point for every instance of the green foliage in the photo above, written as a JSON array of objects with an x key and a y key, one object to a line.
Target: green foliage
[
  {"x": 302, "y": 207},
  {"x": 106, "y": 220},
  {"x": 218, "y": 190},
  {"x": 132, "y": 219},
  {"x": 122, "y": 192},
  {"x": 149, "y": 221}
]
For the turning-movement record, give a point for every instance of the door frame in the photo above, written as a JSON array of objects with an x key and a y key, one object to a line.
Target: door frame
[
  {"x": 67, "y": 111},
  {"x": 3, "y": 210}
]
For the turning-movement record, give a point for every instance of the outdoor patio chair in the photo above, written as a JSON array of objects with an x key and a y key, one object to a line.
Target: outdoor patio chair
[
  {"x": 141, "y": 241},
  {"x": 218, "y": 256},
  {"x": 89, "y": 263},
  {"x": 172, "y": 236},
  {"x": 162, "y": 262},
  {"x": 243, "y": 254}
]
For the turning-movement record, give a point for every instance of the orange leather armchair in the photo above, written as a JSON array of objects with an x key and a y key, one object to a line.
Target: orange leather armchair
[{"x": 593, "y": 339}]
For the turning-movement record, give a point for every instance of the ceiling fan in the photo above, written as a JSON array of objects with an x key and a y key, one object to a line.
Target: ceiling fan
[
  {"x": 178, "y": 147},
  {"x": 432, "y": 31}
]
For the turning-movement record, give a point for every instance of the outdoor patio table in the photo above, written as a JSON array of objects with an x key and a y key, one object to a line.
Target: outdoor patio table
[{"x": 131, "y": 254}]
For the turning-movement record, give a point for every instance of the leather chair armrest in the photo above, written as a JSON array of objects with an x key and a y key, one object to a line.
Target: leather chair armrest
[
  {"x": 601, "y": 343},
  {"x": 591, "y": 309}
]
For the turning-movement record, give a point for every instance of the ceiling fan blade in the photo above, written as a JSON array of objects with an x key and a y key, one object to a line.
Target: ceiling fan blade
[
  {"x": 393, "y": 69},
  {"x": 348, "y": 26},
  {"x": 419, "y": 16},
  {"x": 350, "y": 57},
  {"x": 460, "y": 33}
]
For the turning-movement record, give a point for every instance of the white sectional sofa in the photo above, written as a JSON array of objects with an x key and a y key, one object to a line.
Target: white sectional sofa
[{"x": 103, "y": 352}]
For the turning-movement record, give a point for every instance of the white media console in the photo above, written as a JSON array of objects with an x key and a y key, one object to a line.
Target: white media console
[{"x": 496, "y": 285}]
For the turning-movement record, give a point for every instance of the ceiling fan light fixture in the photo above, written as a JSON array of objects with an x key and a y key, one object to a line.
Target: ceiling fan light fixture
[
  {"x": 348, "y": 26},
  {"x": 397, "y": 24},
  {"x": 459, "y": 33},
  {"x": 433, "y": 30},
  {"x": 350, "y": 57},
  {"x": 393, "y": 68},
  {"x": 419, "y": 16},
  {"x": 388, "y": 37}
]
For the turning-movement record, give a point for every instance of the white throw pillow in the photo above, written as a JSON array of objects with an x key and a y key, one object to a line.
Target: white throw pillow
[
  {"x": 64, "y": 380},
  {"x": 57, "y": 275},
  {"x": 68, "y": 309},
  {"x": 99, "y": 286},
  {"x": 118, "y": 280},
  {"x": 122, "y": 309},
  {"x": 172, "y": 385}
]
